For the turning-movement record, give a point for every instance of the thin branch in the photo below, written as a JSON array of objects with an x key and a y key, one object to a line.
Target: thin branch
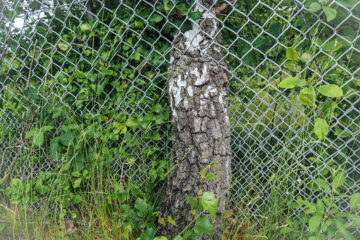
[{"x": 31, "y": 65}]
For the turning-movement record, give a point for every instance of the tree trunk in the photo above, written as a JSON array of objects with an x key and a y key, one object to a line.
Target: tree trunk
[{"x": 198, "y": 90}]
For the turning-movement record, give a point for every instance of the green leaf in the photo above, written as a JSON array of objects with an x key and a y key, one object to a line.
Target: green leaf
[
  {"x": 46, "y": 128},
  {"x": 323, "y": 184},
  {"x": 63, "y": 46},
  {"x": 157, "y": 108},
  {"x": 77, "y": 182},
  {"x": 308, "y": 96},
  {"x": 66, "y": 138},
  {"x": 286, "y": 230},
  {"x": 342, "y": 229},
  {"x": 132, "y": 122},
  {"x": 355, "y": 202},
  {"x": 292, "y": 54},
  {"x": 314, "y": 7},
  {"x": 138, "y": 24},
  {"x": 330, "y": 90},
  {"x": 156, "y": 18},
  {"x": 195, "y": 15},
  {"x": 314, "y": 223},
  {"x": 141, "y": 207},
  {"x": 330, "y": 13},
  {"x": 85, "y": 27},
  {"x": 54, "y": 149},
  {"x": 339, "y": 179},
  {"x": 321, "y": 128},
  {"x": 171, "y": 221},
  {"x": 333, "y": 45},
  {"x": 38, "y": 138},
  {"x": 203, "y": 225},
  {"x": 178, "y": 237},
  {"x": 209, "y": 203},
  {"x": 292, "y": 82},
  {"x": 31, "y": 133},
  {"x": 182, "y": 9}
]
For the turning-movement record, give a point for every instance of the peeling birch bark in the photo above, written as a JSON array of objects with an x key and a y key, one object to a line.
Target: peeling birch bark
[{"x": 200, "y": 123}]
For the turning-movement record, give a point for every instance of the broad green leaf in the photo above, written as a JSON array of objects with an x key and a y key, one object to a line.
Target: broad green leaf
[
  {"x": 321, "y": 128},
  {"x": 355, "y": 202},
  {"x": 66, "y": 138},
  {"x": 314, "y": 7},
  {"x": 31, "y": 133},
  {"x": 339, "y": 179},
  {"x": 54, "y": 149},
  {"x": 330, "y": 13},
  {"x": 46, "y": 128},
  {"x": 38, "y": 138},
  {"x": 138, "y": 24},
  {"x": 203, "y": 225},
  {"x": 314, "y": 223},
  {"x": 77, "y": 182},
  {"x": 292, "y": 54},
  {"x": 195, "y": 15},
  {"x": 324, "y": 1},
  {"x": 141, "y": 207},
  {"x": 308, "y": 96},
  {"x": 156, "y": 18},
  {"x": 333, "y": 45},
  {"x": 292, "y": 82},
  {"x": 178, "y": 237},
  {"x": 347, "y": 3},
  {"x": 63, "y": 46},
  {"x": 85, "y": 27},
  {"x": 330, "y": 90},
  {"x": 132, "y": 122},
  {"x": 168, "y": 7},
  {"x": 209, "y": 203},
  {"x": 171, "y": 221},
  {"x": 323, "y": 184},
  {"x": 286, "y": 230}
]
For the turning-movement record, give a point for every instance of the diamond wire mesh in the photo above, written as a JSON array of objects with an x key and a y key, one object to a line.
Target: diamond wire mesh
[{"x": 265, "y": 138}]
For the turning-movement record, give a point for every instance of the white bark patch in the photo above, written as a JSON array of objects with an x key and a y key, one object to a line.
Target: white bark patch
[
  {"x": 193, "y": 38},
  {"x": 203, "y": 77},
  {"x": 190, "y": 91},
  {"x": 221, "y": 97},
  {"x": 176, "y": 88},
  {"x": 195, "y": 72}
]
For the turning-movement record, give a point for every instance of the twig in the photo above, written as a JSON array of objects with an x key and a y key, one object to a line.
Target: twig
[{"x": 31, "y": 65}]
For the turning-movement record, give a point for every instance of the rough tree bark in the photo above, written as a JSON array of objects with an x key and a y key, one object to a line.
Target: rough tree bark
[{"x": 198, "y": 91}]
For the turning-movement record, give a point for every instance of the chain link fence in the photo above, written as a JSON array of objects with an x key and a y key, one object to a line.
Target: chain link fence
[{"x": 66, "y": 49}]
